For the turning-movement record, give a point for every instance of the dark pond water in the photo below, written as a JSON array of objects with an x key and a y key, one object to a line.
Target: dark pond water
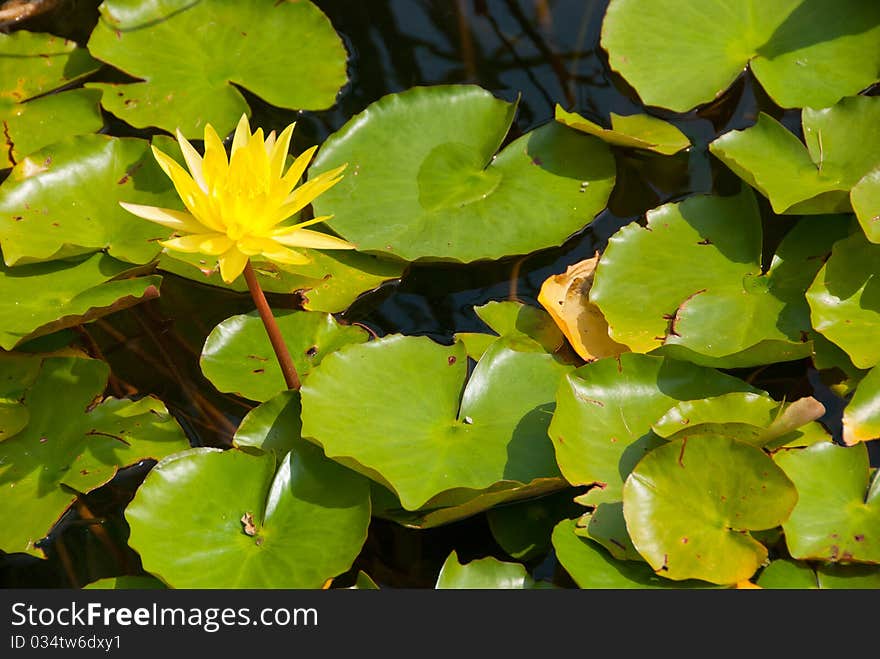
[{"x": 544, "y": 50}]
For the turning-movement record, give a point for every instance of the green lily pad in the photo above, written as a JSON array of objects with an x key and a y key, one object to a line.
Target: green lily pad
[
  {"x": 844, "y": 299},
  {"x": 238, "y": 358},
  {"x": 513, "y": 321},
  {"x": 690, "y": 503},
  {"x": 849, "y": 577},
  {"x": 71, "y": 445},
  {"x": 482, "y": 574},
  {"x": 607, "y": 526},
  {"x": 454, "y": 505},
  {"x": 42, "y": 298},
  {"x": 272, "y": 426},
  {"x": 420, "y": 411},
  {"x": 33, "y": 63},
  {"x": 294, "y": 527},
  {"x": 604, "y": 411},
  {"x": 837, "y": 517},
  {"x": 31, "y": 126},
  {"x": 423, "y": 180},
  {"x": 127, "y": 582},
  {"x": 591, "y": 566},
  {"x": 206, "y": 49},
  {"x": 523, "y": 529},
  {"x": 861, "y": 417},
  {"x": 17, "y": 373},
  {"x": 64, "y": 201},
  {"x": 787, "y": 573},
  {"x": 865, "y": 198},
  {"x": 753, "y": 418},
  {"x": 697, "y": 313},
  {"x": 331, "y": 282},
  {"x": 842, "y": 146},
  {"x": 803, "y": 53},
  {"x": 127, "y": 14},
  {"x": 640, "y": 131}
]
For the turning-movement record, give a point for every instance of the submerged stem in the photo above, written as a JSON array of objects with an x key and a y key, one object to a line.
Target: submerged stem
[{"x": 275, "y": 338}]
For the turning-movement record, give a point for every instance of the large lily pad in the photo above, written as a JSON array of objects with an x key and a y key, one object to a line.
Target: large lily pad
[
  {"x": 786, "y": 573},
  {"x": 412, "y": 390},
  {"x": 424, "y": 182},
  {"x": 127, "y": 14},
  {"x": 844, "y": 299},
  {"x": 804, "y": 53},
  {"x": 592, "y": 567},
  {"x": 30, "y": 126},
  {"x": 206, "y": 49},
  {"x": 708, "y": 300},
  {"x": 837, "y": 517},
  {"x": 641, "y": 131},
  {"x": 238, "y": 358},
  {"x": 32, "y": 63},
  {"x": 861, "y": 418},
  {"x": 482, "y": 574},
  {"x": 689, "y": 505},
  {"x": 294, "y": 527},
  {"x": 70, "y": 445},
  {"x": 604, "y": 410},
  {"x": 64, "y": 201},
  {"x": 331, "y": 282},
  {"x": 41, "y": 298},
  {"x": 842, "y": 146}
]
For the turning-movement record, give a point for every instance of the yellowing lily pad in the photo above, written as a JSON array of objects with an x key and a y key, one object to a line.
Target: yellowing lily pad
[
  {"x": 189, "y": 60},
  {"x": 30, "y": 126},
  {"x": 842, "y": 146},
  {"x": 474, "y": 434},
  {"x": 861, "y": 417},
  {"x": 71, "y": 445},
  {"x": 310, "y": 518},
  {"x": 709, "y": 301},
  {"x": 33, "y": 63},
  {"x": 865, "y": 198},
  {"x": 837, "y": 517},
  {"x": 424, "y": 180},
  {"x": 42, "y": 298},
  {"x": 127, "y": 14},
  {"x": 604, "y": 410},
  {"x": 690, "y": 504},
  {"x": 804, "y": 53},
  {"x": 566, "y": 299},
  {"x": 844, "y": 299},
  {"x": 64, "y": 201},
  {"x": 238, "y": 358},
  {"x": 641, "y": 131}
]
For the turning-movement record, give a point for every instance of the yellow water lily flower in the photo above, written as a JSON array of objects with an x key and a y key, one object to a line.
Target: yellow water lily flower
[{"x": 237, "y": 206}]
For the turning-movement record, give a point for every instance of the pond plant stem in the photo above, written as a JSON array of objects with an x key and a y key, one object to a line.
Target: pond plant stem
[{"x": 281, "y": 352}]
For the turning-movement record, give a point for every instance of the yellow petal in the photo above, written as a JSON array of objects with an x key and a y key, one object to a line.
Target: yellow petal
[
  {"x": 308, "y": 192},
  {"x": 215, "y": 163},
  {"x": 232, "y": 264},
  {"x": 216, "y": 244},
  {"x": 177, "y": 220},
  {"x": 191, "y": 243},
  {"x": 242, "y": 135},
  {"x": 271, "y": 250},
  {"x": 294, "y": 174},
  {"x": 278, "y": 153},
  {"x": 186, "y": 188},
  {"x": 313, "y": 240},
  {"x": 193, "y": 160}
]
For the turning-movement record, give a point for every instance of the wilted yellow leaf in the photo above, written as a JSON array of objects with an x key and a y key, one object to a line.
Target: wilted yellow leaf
[{"x": 566, "y": 299}]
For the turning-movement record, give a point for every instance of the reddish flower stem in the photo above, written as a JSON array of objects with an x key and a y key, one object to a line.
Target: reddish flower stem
[{"x": 281, "y": 352}]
